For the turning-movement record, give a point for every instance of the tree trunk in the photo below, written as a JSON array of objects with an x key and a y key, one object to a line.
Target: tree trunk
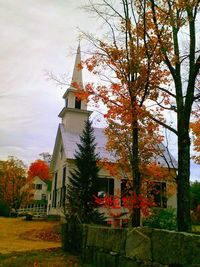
[
  {"x": 183, "y": 180},
  {"x": 135, "y": 173}
]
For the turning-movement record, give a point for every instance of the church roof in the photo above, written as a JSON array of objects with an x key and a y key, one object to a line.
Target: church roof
[{"x": 70, "y": 140}]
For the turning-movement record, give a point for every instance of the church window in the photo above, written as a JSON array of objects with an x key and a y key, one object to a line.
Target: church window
[
  {"x": 66, "y": 102},
  {"x": 157, "y": 192},
  {"x": 63, "y": 188},
  {"x": 77, "y": 103},
  {"x": 54, "y": 198},
  {"x": 105, "y": 186}
]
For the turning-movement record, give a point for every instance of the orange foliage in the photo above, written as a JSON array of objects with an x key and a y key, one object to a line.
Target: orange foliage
[
  {"x": 195, "y": 126},
  {"x": 39, "y": 168},
  {"x": 12, "y": 180}
]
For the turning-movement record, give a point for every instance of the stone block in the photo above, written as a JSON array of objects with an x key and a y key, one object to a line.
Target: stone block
[
  {"x": 138, "y": 244},
  {"x": 170, "y": 247},
  {"x": 106, "y": 238},
  {"x": 103, "y": 259},
  {"x": 126, "y": 262}
]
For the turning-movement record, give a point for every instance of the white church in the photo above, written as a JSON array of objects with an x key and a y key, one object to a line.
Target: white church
[{"x": 73, "y": 116}]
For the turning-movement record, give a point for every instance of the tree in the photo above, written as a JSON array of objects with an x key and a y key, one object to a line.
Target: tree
[
  {"x": 195, "y": 126},
  {"x": 154, "y": 48},
  {"x": 83, "y": 179},
  {"x": 12, "y": 180},
  {"x": 131, "y": 79},
  {"x": 171, "y": 23},
  {"x": 39, "y": 168}
]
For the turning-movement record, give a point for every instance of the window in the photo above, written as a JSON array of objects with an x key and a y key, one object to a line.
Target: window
[
  {"x": 126, "y": 187},
  {"x": 66, "y": 102},
  {"x": 38, "y": 186},
  {"x": 44, "y": 197},
  {"x": 63, "y": 188},
  {"x": 157, "y": 192},
  {"x": 77, "y": 103},
  {"x": 54, "y": 197},
  {"x": 105, "y": 186}
]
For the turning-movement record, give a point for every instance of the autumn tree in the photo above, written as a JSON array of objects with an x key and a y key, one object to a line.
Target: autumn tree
[
  {"x": 166, "y": 33},
  {"x": 131, "y": 74},
  {"x": 39, "y": 168},
  {"x": 195, "y": 126},
  {"x": 83, "y": 180},
  {"x": 12, "y": 180},
  {"x": 173, "y": 26}
]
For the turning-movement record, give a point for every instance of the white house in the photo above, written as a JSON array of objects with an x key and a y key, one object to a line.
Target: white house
[
  {"x": 73, "y": 117},
  {"x": 39, "y": 191}
]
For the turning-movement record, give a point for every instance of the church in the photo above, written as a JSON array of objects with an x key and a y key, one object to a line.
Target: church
[{"x": 73, "y": 117}]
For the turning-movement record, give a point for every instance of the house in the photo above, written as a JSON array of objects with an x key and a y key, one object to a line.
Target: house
[
  {"x": 73, "y": 116},
  {"x": 39, "y": 191}
]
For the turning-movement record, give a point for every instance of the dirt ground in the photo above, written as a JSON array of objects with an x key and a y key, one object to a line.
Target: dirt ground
[{"x": 17, "y": 235}]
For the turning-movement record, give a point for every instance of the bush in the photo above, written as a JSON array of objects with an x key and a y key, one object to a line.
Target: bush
[
  {"x": 161, "y": 219},
  {"x": 4, "y": 209},
  {"x": 195, "y": 215}
]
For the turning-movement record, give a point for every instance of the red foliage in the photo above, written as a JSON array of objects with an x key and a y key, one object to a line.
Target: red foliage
[
  {"x": 39, "y": 168},
  {"x": 112, "y": 203}
]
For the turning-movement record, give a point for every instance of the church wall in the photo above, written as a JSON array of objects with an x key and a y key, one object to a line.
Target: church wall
[{"x": 58, "y": 168}]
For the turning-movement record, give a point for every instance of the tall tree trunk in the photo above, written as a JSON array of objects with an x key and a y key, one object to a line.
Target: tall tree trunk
[
  {"x": 135, "y": 173},
  {"x": 183, "y": 178}
]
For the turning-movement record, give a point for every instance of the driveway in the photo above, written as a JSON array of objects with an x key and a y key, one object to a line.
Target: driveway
[{"x": 17, "y": 235}]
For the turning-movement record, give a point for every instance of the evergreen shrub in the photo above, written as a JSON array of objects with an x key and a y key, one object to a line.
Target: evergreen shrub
[{"x": 162, "y": 219}]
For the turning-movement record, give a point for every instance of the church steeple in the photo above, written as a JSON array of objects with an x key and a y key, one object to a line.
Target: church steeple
[
  {"x": 76, "y": 83},
  {"x": 77, "y": 73},
  {"x": 75, "y": 111}
]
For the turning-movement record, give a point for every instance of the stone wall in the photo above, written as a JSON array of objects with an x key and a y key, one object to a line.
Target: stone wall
[{"x": 139, "y": 247}]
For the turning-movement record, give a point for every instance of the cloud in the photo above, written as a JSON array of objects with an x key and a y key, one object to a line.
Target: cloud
[{"x": 36, "y": 37}]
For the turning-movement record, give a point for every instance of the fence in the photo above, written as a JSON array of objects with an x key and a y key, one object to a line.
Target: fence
[{"x": 36, "y": 209}]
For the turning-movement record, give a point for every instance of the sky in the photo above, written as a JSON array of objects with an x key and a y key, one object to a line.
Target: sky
[{"x": 37, "y": 36}]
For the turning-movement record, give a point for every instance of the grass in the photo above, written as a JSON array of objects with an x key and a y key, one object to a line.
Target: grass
[
  {"x": 42, "y": 258},
  {"x": 20, "y": 235},
  {"x": 33, "y": 244}
]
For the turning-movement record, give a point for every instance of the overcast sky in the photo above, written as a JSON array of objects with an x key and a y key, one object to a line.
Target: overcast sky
[{"x": 36, "y": 36}]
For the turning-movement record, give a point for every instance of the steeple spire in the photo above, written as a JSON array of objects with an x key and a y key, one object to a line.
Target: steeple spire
[
  {"x": 77, "y": 73},
  {"x": 75, "y": 112}
]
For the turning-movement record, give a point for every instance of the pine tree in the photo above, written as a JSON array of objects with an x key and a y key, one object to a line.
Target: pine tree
[{"x": 83, "y": 180}]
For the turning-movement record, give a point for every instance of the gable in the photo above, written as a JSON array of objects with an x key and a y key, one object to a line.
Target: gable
[{"x": 57, "y": 148}]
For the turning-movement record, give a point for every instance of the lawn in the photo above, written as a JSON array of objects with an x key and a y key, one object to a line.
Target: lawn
[
  {"x": 21, "y": 235},
  {"x": 33, "y": 243}
]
